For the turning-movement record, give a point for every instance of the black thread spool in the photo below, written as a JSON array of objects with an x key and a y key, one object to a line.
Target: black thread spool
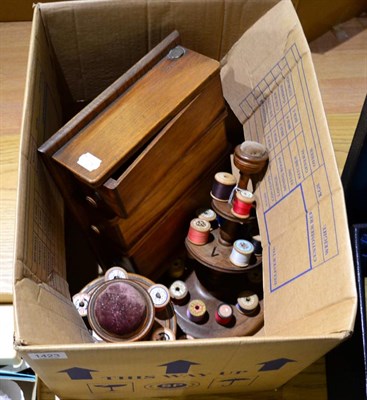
[
  {"x": 256, "y": 242},
  {"x": 223, "y": 184}
]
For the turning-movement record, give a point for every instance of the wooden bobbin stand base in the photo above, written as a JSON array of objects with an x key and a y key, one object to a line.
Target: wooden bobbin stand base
[
  {"x": 241, "y": 325},
  {"x": 214, "y": 279}
]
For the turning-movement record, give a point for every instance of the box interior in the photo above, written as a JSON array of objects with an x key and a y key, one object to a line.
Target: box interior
[{"x": 73, "y": 62}]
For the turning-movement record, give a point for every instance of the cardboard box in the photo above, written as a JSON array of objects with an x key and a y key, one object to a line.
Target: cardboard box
[
  {"x": 79, "y": 48},
  {"x": 316, "y": 18}
]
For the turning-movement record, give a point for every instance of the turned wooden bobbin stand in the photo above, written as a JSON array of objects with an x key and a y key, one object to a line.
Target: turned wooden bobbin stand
[
  {"x": 215, "y": 278},
  {"x": 251, "y": 158}
]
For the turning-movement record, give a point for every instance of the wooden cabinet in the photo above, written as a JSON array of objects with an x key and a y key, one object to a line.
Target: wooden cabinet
[{"x": 127, "y": 162}]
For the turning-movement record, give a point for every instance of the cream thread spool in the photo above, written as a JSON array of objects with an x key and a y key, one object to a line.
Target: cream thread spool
[
  {"x": 80, "y": 301},
  {"x": 198, "y": 232},
  {"x": 115, "y": 273},
  {"x": 196, "y": 310},
  {"x": 247, "y": 302},
  {"x": 223, "y": 184},
  {"x": 207, "y": 214},
  {"x": 160, "y": 296},
  {"x": 179, "y": 292},
  {"x": 241, "y": 253},
  {"x": 242, "y": 203},
  {"x": 163, "y": 333}
]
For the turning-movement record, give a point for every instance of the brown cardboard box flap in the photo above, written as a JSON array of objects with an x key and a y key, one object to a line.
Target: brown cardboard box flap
[
  {"x": 269, "y": 81},
  {"x": 209, "y": 27},
  {"x": 53, "y": 314}
]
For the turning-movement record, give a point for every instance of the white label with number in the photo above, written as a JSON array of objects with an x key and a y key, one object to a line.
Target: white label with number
[{"x": 48, "y": 356}]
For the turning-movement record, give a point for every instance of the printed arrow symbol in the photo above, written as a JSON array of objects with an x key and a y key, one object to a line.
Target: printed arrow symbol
[
  {"x": 273, "y": 365},
  {"x": 76, "y": 373},
  {"x": 178, "y": 367}
]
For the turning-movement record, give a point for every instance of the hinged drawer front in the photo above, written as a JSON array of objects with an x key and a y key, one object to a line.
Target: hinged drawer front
[
  {"x": 196, "y": 163},
  {"x": 120, "y": 130},
  {"x": 152, "y": 254},
  {"x": 158, "y": 167}
]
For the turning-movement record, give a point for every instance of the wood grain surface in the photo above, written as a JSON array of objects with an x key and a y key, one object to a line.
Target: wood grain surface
[
  {"x": 135, "y": 117},
  {"x": 340, "y": 59}
]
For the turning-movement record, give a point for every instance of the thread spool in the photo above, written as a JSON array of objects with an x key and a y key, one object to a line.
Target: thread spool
[
  {"x": 179, "y": 292},
  {"x": 96, "y": 338},
  {"x": 247, "y": 302},
  {"x": 241, "y": 253},
  {"x": 256, "y": 242},
  {"x": 196, "y": 310},
  {"x": 198, "y": 232},
  {"x": 223, "y": 184},
  {"x": 207, "y": 214},
  {"x": 177, "y": 268},
  {"x": 242, "y": 203},
  {"x": 185, "y": 336},
  {"x": 255, "y": 276},
  {"x": 115, "y": 273},
  {"x": 80, "y": 301},
  {"x": 160, "y": 296},
  {"x": 163, "y": 333},
  {"x": 224, "y": 314}
]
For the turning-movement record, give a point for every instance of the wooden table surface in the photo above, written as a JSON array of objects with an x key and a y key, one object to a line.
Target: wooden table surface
[{"x": 340, "y": 58}]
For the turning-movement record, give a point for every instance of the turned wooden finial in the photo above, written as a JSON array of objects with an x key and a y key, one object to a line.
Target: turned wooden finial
[{"x": 251, "y": 159}]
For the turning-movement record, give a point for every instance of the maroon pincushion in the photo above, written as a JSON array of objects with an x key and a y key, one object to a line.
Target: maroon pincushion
[{"x": 120, "y": 309}]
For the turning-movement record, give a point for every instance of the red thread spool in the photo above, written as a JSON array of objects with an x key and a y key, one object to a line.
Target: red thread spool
[
  {"x": 198, "y": 232},
  {"x": 224, "y": 314},
  {"x": 242, "y": 204}
]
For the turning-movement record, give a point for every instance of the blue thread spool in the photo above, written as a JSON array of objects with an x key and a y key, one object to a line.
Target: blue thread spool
[{"x": 241, "y": 253}]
